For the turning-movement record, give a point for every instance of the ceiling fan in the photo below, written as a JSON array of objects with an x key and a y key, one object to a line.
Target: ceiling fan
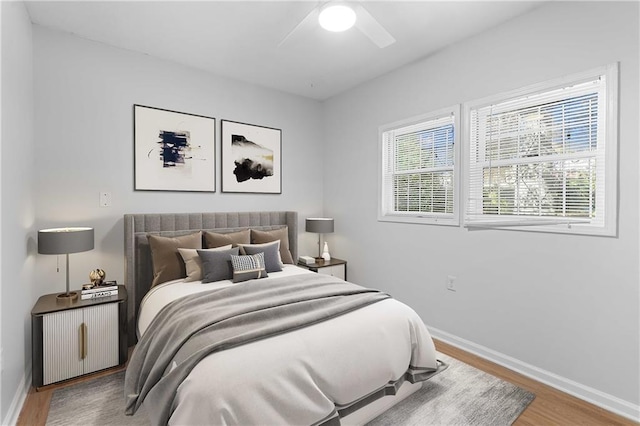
[{"x": 355, "y": 15}]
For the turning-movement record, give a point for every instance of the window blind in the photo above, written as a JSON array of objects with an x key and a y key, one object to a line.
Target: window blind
[
  {"x": 539, "y": 159},
  {"x": 418, "y": 169}
]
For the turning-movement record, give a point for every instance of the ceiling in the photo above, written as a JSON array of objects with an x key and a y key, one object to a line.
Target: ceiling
[{"x": 240, "y": 39}]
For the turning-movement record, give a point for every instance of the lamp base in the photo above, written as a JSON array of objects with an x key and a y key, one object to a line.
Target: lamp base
[{"x": 64, "y": 297}]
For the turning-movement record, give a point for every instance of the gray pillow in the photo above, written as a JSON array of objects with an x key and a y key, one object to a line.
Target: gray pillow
[
  {"x": 271, "y": 254},
  {"x": 216, "y": 265},
  {"x": 192, "y": 262}
]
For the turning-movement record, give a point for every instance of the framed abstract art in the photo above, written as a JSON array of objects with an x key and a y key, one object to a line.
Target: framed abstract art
[
  {"x": 251, "y": 158},
  {"x": 174, "y": 151}
]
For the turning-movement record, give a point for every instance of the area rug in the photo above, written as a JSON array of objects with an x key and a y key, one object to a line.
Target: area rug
[{"x": 460, "y": 395}]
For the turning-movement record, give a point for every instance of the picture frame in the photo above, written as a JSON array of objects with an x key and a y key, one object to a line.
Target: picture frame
[
  {"x": 173, "y": 151},
  {"x": 251, "y": 158}
]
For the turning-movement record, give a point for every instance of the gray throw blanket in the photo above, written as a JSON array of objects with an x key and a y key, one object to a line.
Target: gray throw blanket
[{"x": 192, "y": 327}]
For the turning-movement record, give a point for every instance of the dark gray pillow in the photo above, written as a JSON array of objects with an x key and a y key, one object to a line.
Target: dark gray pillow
[
  {"x": 216, "y": 265},
  {"x": 271, "y": 254}
]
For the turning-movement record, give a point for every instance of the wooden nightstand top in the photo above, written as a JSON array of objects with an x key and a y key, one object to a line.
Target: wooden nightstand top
[
  {"x": 332, "y": 262},
  {"x": 50, "y": 303}
]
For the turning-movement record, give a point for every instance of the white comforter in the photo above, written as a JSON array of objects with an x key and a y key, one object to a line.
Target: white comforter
[{"x": 301, "y": 377}]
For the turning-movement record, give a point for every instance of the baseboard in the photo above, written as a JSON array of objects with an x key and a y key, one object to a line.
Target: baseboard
[
  {"x": 586, "y": 393},
  {"x": 20, "y": 396}
]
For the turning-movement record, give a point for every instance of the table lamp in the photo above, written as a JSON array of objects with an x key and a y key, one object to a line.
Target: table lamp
[
  {"x": 319, "y": 225},
  {"x": 65, "y": 241}
]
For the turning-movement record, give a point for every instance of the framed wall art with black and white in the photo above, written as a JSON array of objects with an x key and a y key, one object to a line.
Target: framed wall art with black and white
[
  {"x": 251, "y": 158},
  {"x": 174, "y": 151}
]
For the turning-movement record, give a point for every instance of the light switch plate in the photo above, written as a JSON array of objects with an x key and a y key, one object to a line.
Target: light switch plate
[{"x": 105, "y": 199}]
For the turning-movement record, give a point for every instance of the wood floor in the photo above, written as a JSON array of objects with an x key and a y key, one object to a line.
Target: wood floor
[{"x": 550, "y": 407}]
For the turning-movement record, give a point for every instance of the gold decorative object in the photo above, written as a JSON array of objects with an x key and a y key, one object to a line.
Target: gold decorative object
[{"x": 97, "y": 276}]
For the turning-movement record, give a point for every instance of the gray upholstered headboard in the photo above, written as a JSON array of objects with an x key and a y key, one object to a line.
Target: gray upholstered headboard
[{"x": 138, "y": 267}]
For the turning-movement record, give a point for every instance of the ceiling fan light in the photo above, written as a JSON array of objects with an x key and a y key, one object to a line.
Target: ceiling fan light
[{"x": 337, "y": 18}]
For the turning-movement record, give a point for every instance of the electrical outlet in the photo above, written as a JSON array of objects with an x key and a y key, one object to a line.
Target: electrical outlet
[
  {"x": 451, "y": 283},
  {"x": 105, "y": 199}
]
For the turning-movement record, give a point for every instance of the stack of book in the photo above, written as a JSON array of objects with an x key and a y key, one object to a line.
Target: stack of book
[{"x": 109, "y": 288}]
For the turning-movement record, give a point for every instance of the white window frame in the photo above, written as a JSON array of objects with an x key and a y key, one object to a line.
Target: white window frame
[
  {"x": 606, "y": 157},
  {"x": 384, "y": 193}
]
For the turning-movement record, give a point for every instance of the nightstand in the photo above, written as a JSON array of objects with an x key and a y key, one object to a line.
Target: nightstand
[
  {"x": 334, "y": 267},
  {"x": 73, "y": 338}
]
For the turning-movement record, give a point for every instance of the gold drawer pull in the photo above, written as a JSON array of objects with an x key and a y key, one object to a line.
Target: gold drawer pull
[{"x": 83, "y": 341}]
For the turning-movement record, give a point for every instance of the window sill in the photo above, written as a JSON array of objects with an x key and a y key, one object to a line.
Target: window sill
[
  {"x": 575, "y": 229},
  {"x": 420, "y": 219}
]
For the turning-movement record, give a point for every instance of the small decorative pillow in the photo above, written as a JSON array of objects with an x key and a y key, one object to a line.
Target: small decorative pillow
[
  {"x": 214, "y": 239},
  {"x": 271, "y": 254},
  {"x": 216, "y": 264},
  {"x": 167, "y": 263},
  {"x": 282, "y": 234},
  {"x": 249, "y": 267},
  {"x": 192, "y": 262}
]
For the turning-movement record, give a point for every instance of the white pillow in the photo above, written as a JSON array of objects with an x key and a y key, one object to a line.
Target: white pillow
[{"x": 193, "y": 263}]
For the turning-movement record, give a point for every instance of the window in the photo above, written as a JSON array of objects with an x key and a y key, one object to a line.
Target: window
[
  {"x": 545, "y": 157},
  {"x": 419, "y": 171}
]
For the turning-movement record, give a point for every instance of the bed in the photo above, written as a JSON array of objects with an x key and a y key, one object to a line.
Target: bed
[{"x": 294, "y": 347}]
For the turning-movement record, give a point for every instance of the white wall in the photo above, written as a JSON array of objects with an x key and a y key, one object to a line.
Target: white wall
[
  {"x": 568, "y": 305},
  {"x": 84, "y": 96},
  {"x": 17, "y": 207},
  {"x": 573, "y": 317},
  {"x": 79, "y": 142}
]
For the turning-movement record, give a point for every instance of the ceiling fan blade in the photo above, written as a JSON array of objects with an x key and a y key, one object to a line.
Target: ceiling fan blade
[
  {"x": 308, "y": 21},
  {"x": 371, "y": 28}
]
